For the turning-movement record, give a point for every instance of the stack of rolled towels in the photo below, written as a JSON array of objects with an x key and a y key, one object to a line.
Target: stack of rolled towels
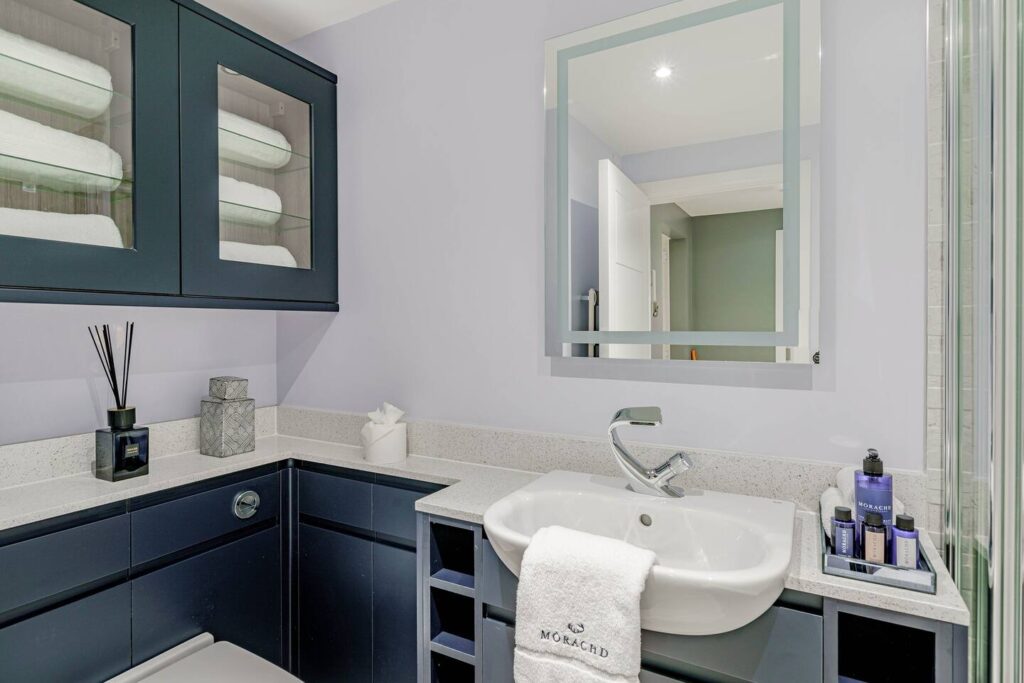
[
  {"x": 35, "y": 154},
  {"x": 39, "y": 155},
  {"x": 842, "y": 495}
]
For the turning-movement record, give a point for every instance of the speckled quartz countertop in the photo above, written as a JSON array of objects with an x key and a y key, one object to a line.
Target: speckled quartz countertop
[{"x": 470, "y": 490}]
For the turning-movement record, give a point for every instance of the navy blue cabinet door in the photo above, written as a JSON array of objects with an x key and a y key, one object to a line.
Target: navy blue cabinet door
[
  {"x": 233, "y": 592},
  {"x": 394, "y": 614},
  {"x": 335, "y": 606},
  {"x": 139, "y": 185},
  {"x": 83, "y": 641},
  {"x": 231, "y": 244}
]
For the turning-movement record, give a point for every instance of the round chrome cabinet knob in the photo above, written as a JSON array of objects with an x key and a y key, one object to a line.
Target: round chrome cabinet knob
[{"x": 245, "y": 504}]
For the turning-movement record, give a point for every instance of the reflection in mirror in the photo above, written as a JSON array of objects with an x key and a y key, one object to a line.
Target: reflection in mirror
[{"x": 688, "y": 150}]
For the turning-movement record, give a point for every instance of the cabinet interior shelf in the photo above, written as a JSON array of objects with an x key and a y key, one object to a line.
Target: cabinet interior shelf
[
  {"x": 296, "y": 161},
  {"x": 9, "y": 63},
  {"x": 122, "y": 193},
  {"x": 453, "y": 581},
  {"x": 32, "y": 172},
  {"x": 261, "y": 218},
  {"x": 68, "y": 121},
  {"x": 454, "y": 646}
]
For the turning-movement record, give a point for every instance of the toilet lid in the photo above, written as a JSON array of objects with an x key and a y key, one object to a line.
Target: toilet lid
[{"x": 221, "y": 662}]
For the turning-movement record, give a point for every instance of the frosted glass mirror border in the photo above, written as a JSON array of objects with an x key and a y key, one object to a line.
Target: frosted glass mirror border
[{"x": 789, "y": 334}]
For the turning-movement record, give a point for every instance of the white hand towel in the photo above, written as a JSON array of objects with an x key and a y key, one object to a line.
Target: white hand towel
[
  {"x": 264, "y": 254},
  {"x": 38, "y": 154},
  {"x": 86, "y": 228},
  {"x": 845, "y": 483},
  {"x": 53, "y": 78},
  {"x": 578, "y": 608}
]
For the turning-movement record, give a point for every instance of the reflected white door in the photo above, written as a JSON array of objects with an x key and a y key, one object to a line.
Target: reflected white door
[{"x": 624, "y": 221}]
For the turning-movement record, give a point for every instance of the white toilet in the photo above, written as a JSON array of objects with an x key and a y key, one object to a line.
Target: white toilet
[{"x": 201, "y": 660}]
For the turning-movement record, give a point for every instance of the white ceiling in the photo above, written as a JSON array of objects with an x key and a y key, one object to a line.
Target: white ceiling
[
  {"x": 726, "y": 83},
  {"x": 745, "y": 189},
  {"x": 285, "y": 20}
]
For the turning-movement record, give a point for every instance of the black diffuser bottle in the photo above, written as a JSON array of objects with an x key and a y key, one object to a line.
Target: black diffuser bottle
[{"x": 122, "y": 449}]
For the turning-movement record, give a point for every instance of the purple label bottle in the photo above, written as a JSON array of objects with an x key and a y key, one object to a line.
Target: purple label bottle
[
  {"x": 872, "y": 491},
  {"x": 843, "y": 536},
  {"x": 905, "y": 547}
]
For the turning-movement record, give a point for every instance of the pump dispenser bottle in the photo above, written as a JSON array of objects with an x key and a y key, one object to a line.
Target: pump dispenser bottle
[{"x": 872, "y": 491}]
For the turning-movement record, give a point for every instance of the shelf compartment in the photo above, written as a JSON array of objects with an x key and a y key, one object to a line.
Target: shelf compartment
[
  {"x": 260, "y": 219},
  {"x": 444, "y": 669},
  {"x": 64, "y": 120},
  {"x": 38, "y": 173},
  {"x": 452, "y": 625},
  {"x": 452, "y": 558}
]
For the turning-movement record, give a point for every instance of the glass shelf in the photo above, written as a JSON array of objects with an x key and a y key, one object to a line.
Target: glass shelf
[
  {"x": 70, "y": 122},
  {"x": 9, "y": 187},
  {"x": 60, "y": 178},
  {"x": 56, "y": 81},
  {"x": 296, "y": 161},
  {"x": 254, "y": 217}
]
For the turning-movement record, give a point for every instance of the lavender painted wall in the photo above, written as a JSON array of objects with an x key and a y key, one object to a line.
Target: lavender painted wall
[
  {"x": 50, "y": 382},
  {"x": 442, "y": 266}
]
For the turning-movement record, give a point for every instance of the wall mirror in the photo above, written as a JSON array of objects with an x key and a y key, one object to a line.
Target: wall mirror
[{"x": 684, "y": 148}]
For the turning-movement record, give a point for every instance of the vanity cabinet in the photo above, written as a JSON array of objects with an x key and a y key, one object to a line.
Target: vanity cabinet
[
  {"x": 156, "y": 153},
  {"x": 356, "y": 576}
]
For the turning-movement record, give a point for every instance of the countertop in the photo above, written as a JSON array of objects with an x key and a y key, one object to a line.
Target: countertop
[{"x": 470, "y": 490}]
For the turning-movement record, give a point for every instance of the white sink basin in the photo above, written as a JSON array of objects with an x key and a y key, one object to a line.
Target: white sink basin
[{"x": 722, "y": 558}]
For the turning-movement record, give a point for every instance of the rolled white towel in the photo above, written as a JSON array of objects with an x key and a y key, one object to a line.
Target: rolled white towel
[
  {"x": 265, "y": 254},
  {"x": 33, "y": 153},
  {"x": 830, "y": 500},
  {"x": 45, "y": 75},
  {"x": 845, "y": 483},
  {"x": 243, "y": 202},
  {"x": 249, "y": 142},
  {"x": 85, "y": 228}
]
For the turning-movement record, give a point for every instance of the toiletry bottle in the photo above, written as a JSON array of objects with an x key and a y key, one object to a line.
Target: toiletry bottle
[
  {"x": 843, "y": 542},
  {"x": 873, "y": 536},
  {"x": 872, "y": 492},
  {"x": 904, "y": 542}
]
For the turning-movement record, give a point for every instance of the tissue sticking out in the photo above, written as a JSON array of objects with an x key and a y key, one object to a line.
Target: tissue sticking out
[{"x": 384, "y": 437}]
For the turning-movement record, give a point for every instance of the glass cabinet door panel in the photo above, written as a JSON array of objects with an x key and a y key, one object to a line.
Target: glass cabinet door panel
[
  {"x": 263, "y": 140},
  {"x": 86, "y": 101},
  {"x": 258, "y": 169},
  {"x": 66, "y": 162}
]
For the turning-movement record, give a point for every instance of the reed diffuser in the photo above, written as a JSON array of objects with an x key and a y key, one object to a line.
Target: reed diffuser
[{"x": 122, "y": 449}]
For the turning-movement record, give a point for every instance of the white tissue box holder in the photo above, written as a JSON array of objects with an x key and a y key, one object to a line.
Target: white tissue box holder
[{"x": 392, "y": 447}]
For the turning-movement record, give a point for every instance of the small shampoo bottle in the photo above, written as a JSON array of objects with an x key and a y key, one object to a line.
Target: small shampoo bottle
[
  {"x": 843, "y": 542},
  {"x": 905, "y": 546}
]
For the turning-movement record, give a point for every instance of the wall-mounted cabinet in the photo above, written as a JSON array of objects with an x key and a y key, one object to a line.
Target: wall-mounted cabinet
[{"x": 157, "y": 154}]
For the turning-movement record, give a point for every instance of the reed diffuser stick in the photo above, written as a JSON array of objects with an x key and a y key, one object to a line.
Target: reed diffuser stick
[{"x": 103, "y": 343}]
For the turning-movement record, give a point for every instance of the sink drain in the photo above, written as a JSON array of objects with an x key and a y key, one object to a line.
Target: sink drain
[{"x": 646, "y": 520}]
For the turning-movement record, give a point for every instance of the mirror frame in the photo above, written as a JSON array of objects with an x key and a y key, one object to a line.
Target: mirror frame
[{"x": 789, "y": 335}]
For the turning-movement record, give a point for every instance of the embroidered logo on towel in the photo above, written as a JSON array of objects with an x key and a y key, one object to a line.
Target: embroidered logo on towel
[{"x": 570, "y": 640}]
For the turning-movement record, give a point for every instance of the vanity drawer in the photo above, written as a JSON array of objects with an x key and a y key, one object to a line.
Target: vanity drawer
[
  {"x": 83, "y": 641},
  {"x": 45, "y": 566},
  {"x": 394, "y": 509},
  {"x": 335, "y": 499},
  {"x": 178, "y": 524}
]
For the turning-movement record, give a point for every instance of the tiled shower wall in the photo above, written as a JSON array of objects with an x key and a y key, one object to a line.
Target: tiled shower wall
[{"x": 936, "y": 258}]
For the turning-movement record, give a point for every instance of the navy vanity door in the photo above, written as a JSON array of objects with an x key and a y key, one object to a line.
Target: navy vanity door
[
  {"x": 335, "y": 606},
  {"x": 394, "y": 614},
  {"x": 233, "y": 592},
  {"x": 83, "y": 641}
]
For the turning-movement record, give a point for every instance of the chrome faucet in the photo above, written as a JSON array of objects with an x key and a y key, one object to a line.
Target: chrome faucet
[{"x": 643, "y": 480}]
